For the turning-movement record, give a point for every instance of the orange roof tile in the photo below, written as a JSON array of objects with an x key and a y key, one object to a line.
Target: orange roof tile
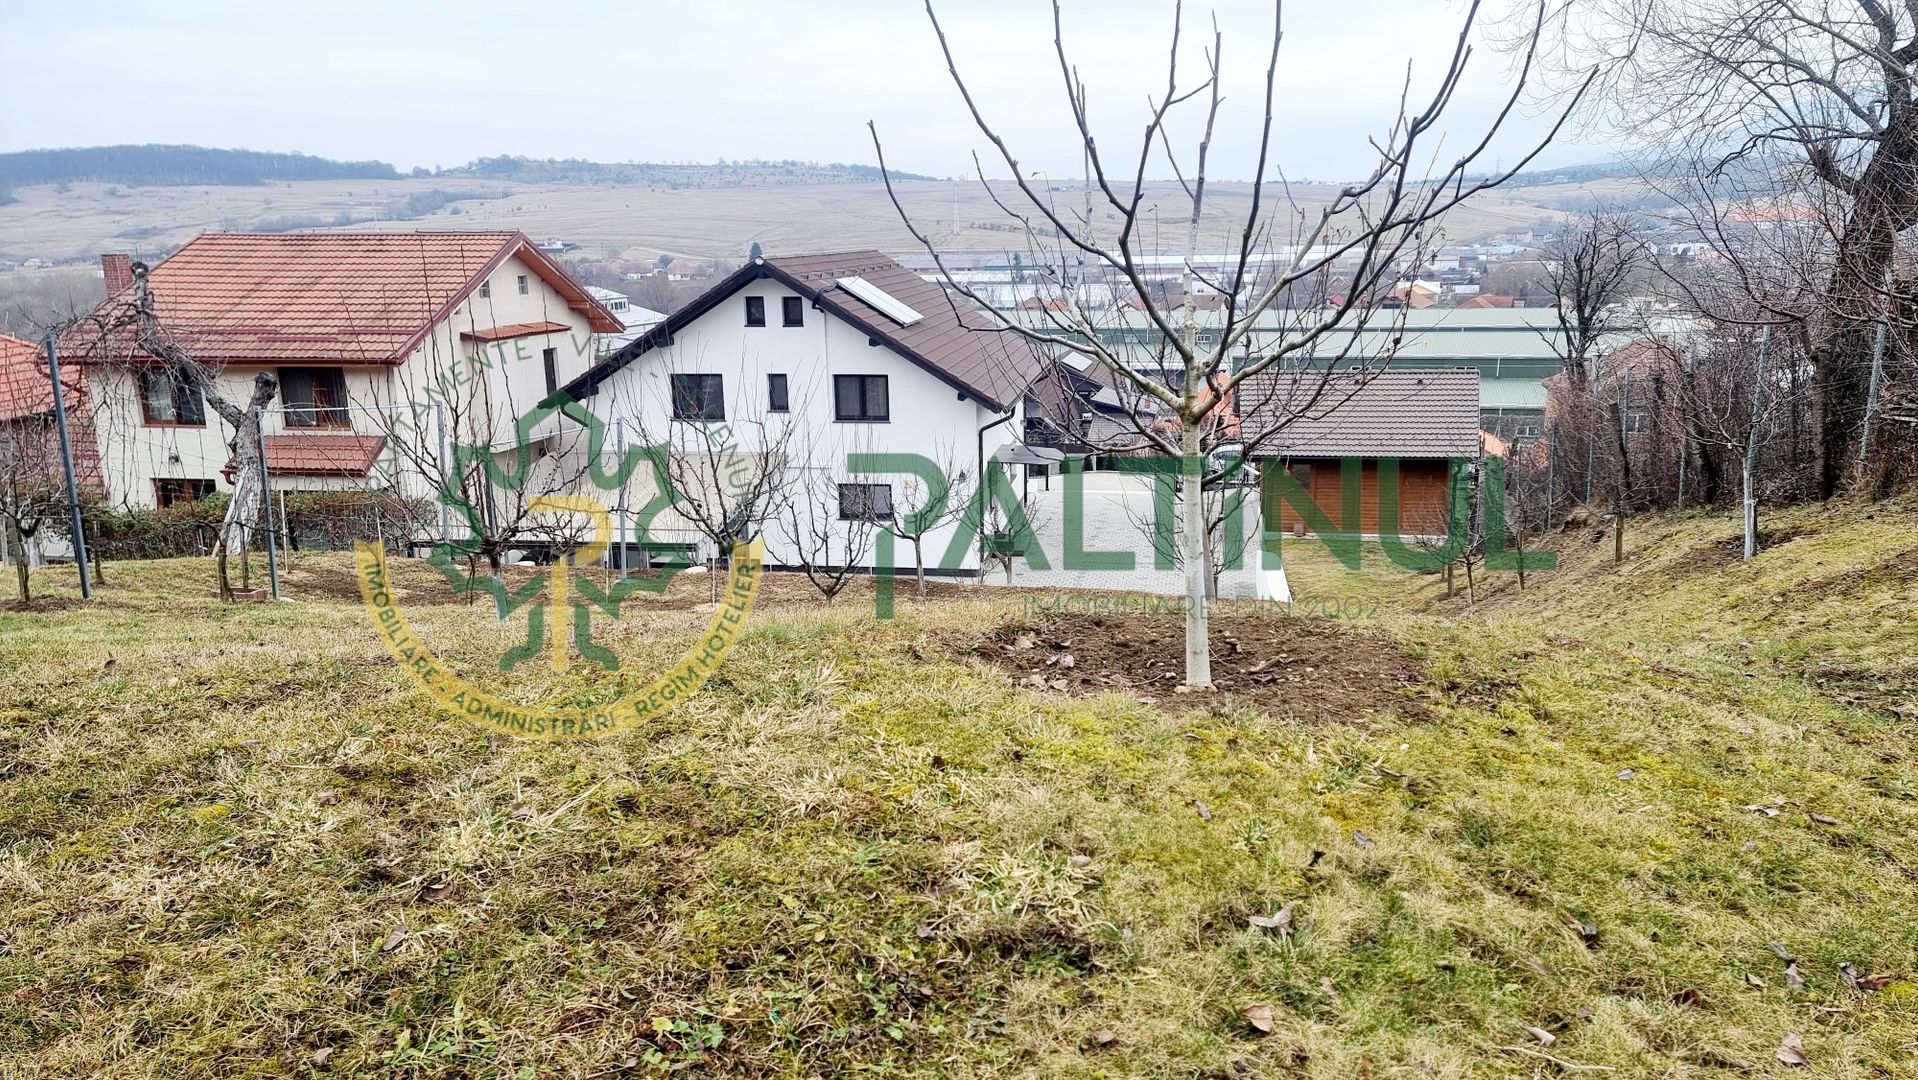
[
  {"x": 513, "y": 330},
  {"x": 341, "y": 298},
  {"x": 25, "y": 389},
  {"x": 321, "y": 455}
]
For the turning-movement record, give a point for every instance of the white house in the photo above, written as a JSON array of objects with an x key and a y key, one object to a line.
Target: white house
[
  {"x": 812, "y": 358},
  {"x": 388, "y": 347},
  {"x": 634, "y": 320}
]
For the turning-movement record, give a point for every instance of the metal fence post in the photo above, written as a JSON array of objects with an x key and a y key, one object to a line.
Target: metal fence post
[
  {"x": 66, "y": 462},
  {"x": 266, "y": 507}
]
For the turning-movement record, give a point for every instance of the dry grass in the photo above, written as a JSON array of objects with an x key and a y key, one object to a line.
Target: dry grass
[
  {"x": 631, "y": 221},
  {"x": 238, "y": 843}
]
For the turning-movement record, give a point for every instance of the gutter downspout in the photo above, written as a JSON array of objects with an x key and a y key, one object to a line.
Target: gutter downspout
[{"x": 984, "y": 493}]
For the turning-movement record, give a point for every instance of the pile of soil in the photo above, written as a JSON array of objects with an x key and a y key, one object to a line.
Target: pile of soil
[{"x": 1310, "y": 669}]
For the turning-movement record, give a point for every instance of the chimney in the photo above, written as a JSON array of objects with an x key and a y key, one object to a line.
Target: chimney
[{"x": 119, "y": 273}]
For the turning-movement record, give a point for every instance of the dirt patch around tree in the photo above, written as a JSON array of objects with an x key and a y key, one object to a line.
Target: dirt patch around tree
[{"x": 1307, "y": 669}]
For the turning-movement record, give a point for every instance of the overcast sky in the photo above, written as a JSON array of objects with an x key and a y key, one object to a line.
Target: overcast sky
[{"x": 432, "y": 84}]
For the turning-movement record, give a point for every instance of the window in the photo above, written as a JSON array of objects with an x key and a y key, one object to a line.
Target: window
[
  {"x": 792, "y": 311},
  {"x": 486, "y": 289},
  {"x": 860, "y": 397},
  {"x": 755, "y": 311},
  {"x": 865, "y": 502},
  {"x": 315, "y": 397},
  {"x": 523, "y": 287},
  {"x": 169, "y": 492},
  {"x": 549, "y": 359},
  {"x": 165, "y": 399},
  {"x": 698, "y": 397},
  {"x": 776, "y": 394}
]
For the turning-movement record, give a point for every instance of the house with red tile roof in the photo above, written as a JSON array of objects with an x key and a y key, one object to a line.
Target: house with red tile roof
[
  {"x": 30, "y": 471},
  {"x": 386, "y": 347}
]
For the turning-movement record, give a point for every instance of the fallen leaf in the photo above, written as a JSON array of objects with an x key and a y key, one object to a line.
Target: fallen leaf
[
  {"x": 1849, "y": 974},
  {"x": 1627, "y": 774},
  {"x": 1080, "y": 860},
  {"x": 1823, "y": 819},
  {"x": 1545, "y": 1038},
  {"x": 320, "y": 1056},
  {"x": 1280, "y": 920},
  {"x": 1260, "y": 1017},
  {"x": 1359, "y": 838},
  {"x": 1876, "y": 982},
  {"x": 393, "y": 941},
  {"x": 1791, "y": 1051},
  {"x": 1104, "y": 1037},
  {"x": 1780, "y": 951},
  {"x": 1535, "y": 964},
  {"x": 1067, "y": 661},
  {"x": 1793, "y": 980},
  {"x": 1765, "y": 810},
  {"x": 1205, "y": 812},
  {"x": 1024, "y": 641},
  {"x": 1754, "y": 981},
  {"x": 326, "y": 798},
  {"x": 1058, "y": 684}
]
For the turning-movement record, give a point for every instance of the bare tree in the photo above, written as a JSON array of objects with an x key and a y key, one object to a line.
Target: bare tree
[
  {"x": 1365, "y": 229},
  {"x": 1825, "y": 91},
  {"x": 831, "y": 527},
  {"x": 32, "y": 488},
  {"x": 1592, "y": 266},
  {"x": 128, "y": 333}
]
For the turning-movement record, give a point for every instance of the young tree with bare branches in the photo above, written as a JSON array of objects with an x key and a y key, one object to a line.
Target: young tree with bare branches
[{"x": 1365, "y": 231}]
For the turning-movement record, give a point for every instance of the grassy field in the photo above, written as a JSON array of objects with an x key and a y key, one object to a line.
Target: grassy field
[
  {"x": 638, "y": 222},
  {"x": 239, "y": 843}
]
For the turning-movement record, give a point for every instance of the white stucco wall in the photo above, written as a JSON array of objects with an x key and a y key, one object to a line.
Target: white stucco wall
[
  {"x": 927, "y": 415},
  {"x": 489, "y": 385}
]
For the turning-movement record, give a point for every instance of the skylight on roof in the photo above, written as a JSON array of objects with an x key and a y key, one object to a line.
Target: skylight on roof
[{"x": 883, "y": 301}]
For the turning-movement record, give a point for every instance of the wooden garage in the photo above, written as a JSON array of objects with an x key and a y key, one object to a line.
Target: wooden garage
[{"x": 1396, "y": 434}]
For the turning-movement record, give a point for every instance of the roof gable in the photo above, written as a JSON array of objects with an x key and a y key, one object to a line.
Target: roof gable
[{"x": 953, "y": 339}]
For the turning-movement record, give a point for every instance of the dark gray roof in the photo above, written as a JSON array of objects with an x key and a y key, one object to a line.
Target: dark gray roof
[
  {"x": 1415, "y": 413},
  {"x": 954, "y": 340}
]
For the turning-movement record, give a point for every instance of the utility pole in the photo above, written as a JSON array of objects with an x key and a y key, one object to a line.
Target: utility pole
[{"x": 66, "y": 461}]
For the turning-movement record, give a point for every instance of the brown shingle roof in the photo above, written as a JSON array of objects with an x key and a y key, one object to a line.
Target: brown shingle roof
[
  {"x": 955, "y": 340},
  {"x": 1414, "y": 413},
  {"x": 341, "y": 298}
]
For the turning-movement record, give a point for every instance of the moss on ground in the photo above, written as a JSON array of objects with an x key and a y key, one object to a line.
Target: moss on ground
[{"x": 239, "y": 843}]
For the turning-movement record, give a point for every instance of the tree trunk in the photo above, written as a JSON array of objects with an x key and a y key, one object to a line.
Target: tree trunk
[
  {"x": 919, "y": 562},
  {"x": 17, "y": 543},
  {"x": 1198, "y": 648}
]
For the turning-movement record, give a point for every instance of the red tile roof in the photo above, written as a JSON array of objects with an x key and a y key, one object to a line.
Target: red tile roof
[
  {"x": 1490, "y": 300},
  {"x": 25, "y": 389},
  {"x": 513, "y": 330},
  {"x": 340, "y": 298},
  {"x": 321, "y": 455},
  {"x": 1406, "y": 412}
]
